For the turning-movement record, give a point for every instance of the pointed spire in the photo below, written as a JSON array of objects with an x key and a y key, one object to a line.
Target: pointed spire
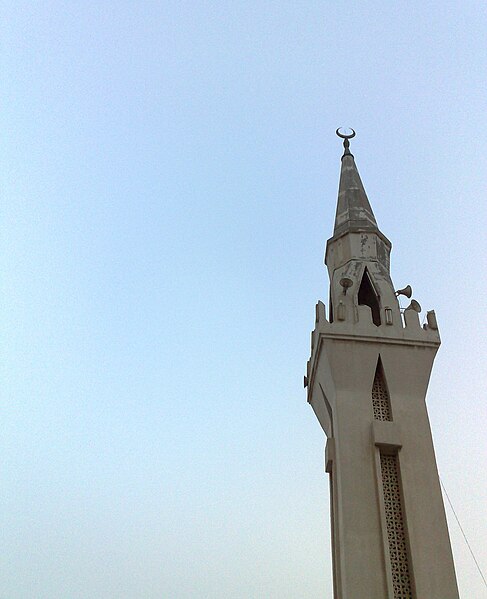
[{"x": 353, "y": 210}]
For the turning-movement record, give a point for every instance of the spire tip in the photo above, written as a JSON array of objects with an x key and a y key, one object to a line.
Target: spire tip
[{"x": 346, "y": 140}]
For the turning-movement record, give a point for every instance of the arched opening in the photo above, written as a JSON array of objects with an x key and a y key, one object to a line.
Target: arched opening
[{"x": 367, "y": 296}]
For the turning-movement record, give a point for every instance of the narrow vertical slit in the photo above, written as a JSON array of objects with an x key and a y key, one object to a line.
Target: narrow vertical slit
[
  {"x": 335, "y": 537},
  {"x": 333, "y": 540}
]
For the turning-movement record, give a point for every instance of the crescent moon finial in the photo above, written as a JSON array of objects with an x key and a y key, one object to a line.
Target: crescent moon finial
[{"x": 346, "y": 138}]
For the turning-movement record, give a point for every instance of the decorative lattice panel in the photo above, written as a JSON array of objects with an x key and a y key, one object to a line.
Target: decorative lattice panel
[
  {"x": 396, "y": 532},
  {"x": 380, "y": 398}
]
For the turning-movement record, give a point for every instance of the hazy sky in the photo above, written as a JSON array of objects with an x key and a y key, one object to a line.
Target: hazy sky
[{"x": 169, "y": 180}]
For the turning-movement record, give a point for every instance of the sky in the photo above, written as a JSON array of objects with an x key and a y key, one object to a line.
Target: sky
[{"x": 169, "y": 180}]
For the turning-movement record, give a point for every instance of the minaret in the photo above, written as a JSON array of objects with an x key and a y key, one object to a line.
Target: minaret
[{"x": 367, "y": 378}]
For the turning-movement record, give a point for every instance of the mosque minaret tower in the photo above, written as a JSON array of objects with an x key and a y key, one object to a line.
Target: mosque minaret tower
[{"x": 366, "y": 380}]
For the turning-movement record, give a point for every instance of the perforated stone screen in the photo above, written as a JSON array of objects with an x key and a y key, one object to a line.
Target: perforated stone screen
[
  {"x": 380, "y": 398},
  {"x": 396, "y": 532}
]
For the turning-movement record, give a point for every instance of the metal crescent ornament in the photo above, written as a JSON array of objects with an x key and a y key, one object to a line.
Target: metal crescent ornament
[{"x": 345, "y": 136}]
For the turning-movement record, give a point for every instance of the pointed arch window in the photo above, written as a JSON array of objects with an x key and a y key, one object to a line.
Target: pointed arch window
[
  {"x": 367, "y": 296},
  {"x": 381, "y": 402}
]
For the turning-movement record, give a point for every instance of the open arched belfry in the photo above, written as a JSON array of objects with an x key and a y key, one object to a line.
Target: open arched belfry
[{"x": 366, "y": 379}]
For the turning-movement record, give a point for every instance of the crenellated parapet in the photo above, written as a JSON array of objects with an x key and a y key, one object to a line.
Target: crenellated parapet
[{"x": 354, "y": 323}]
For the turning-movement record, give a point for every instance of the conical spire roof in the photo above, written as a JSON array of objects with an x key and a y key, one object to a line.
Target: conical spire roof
[{"x": 353, "y": 210}]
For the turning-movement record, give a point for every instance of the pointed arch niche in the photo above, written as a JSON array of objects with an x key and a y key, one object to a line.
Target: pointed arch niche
[
  {"x": 368, "y": 296},
  {"x": 381, "y": 401}
]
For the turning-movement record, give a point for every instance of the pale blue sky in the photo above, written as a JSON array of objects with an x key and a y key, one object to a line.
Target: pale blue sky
[{"x": 169, "y": 179}]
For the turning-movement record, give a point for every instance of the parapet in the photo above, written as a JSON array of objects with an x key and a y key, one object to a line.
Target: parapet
[{"x": 351, "y": 322}]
